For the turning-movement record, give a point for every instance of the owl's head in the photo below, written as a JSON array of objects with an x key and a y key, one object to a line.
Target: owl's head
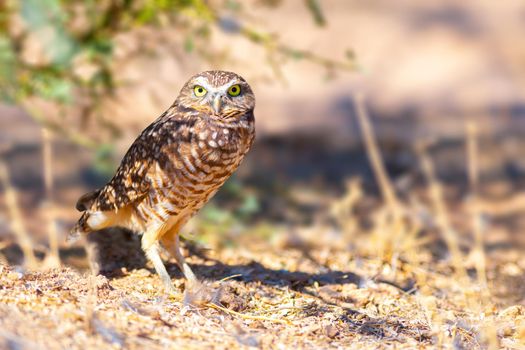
[{"x": 223, "y": 96}]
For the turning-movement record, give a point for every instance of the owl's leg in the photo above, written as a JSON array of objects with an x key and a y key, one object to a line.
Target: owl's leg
[
  {"x": 172, "y": 244},
  {"x": 153, "y": 254}
]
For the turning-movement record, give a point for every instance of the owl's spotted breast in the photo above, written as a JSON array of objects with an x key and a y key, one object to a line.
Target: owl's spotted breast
[
  {"x": 188, "y": 173},
  {"x": 175, "y": 166}
]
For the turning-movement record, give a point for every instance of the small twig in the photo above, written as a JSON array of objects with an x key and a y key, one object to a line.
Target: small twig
[
  {"x": 92, "y": 323},
  {"x": 374, "y": 155},
  {"x": 17, "y": 222},
  {"x": 53, "y": 259},
  {"x": 248, "y": 317},
  {"x": 89, "y": 303},
  {"x": 227, "y": 278},
  {"x": 73, "y": 136},
  {"x": 273, "y": 46},
  {"x": 92, "y": 295},
  {"x": 440, "y": 209},
  {"x": 473, "y": 176},
  {"x": 396, "y": 225}
]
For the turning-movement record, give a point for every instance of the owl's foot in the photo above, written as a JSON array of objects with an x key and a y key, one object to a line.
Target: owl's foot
[
  {"x": 170, "y": 291},
  {"x": 200, "y": 293},
  {"x": 195, "y": 291}
]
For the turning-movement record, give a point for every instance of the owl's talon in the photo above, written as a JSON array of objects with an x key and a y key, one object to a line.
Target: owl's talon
[
  {"x": 169, "y": 289},
  {"x": 193, "y": 284},
  {"x": 199, "y": 293},
  {"x": 173, "y": 295}
]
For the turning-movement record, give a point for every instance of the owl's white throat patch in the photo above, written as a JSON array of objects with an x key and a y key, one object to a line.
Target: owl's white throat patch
[{"x": 97, "y": 220}]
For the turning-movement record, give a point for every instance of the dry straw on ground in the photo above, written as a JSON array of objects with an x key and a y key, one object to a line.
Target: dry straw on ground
[{"x": 373, "y": 280}]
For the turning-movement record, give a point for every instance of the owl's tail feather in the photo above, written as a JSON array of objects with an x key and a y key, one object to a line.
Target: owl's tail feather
[
  {"x": 81, "y": 227},
  {"x": 86, "y": 201}
]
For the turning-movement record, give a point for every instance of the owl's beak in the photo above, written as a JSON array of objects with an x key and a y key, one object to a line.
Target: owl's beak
[{"x": 217, "y": 104}]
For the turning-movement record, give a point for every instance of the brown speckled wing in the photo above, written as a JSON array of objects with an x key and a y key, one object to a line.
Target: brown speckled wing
[{"x": 131, "y": 183}]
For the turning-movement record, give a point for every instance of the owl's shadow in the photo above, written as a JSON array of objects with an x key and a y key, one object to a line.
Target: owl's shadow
[{"x": 119, "y": 250}]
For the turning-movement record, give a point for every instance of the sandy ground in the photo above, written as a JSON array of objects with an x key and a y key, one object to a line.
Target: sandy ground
[{"x": 273, "y": 296}]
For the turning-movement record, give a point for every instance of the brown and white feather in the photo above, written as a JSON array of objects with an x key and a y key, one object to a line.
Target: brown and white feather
[{"x": 176, "y": 164}]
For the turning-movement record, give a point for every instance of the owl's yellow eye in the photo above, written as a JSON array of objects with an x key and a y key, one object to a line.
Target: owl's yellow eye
[
  {"x": 199, "y": 91},
  {"x": 234, "y": 90}
]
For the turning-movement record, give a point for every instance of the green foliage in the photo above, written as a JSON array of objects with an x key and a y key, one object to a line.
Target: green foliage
[
  {"x": 51, "y": 87},
  {"x": 189, "y": 44},
  {"x": 315, "y": 9},
  {"x": 46, "y": 19},
  {"x": 52, "y": 23},
  {"x": 7, "y": 80},
  {"x": 73, "y": 32},
  {"x": 104, "y": 164}
]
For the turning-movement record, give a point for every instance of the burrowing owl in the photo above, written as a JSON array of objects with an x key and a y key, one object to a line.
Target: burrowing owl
[{"x": 175, "y": 166}]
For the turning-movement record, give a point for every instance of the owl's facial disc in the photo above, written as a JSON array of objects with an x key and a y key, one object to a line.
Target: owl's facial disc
[
  {"x": 219, "y": 95},
  {"x": 225, "y": 101}
]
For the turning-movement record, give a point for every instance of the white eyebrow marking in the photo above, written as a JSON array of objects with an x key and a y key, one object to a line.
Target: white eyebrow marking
[
  {"x": 223, "y": 88},
  {"x": 203, "y": 82},
  {"x": 229, "y": 84}
]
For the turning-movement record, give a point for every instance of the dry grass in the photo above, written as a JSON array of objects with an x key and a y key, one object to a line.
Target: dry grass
[
  {"x": 473, "y": 174},
  {"x": 358, "y": 280},
  {"x": 52, "y": 258},
  {"x": 280, "y": 300},
  {"x": 440, "y": 211},
  {"x": 16, "y": 218}
]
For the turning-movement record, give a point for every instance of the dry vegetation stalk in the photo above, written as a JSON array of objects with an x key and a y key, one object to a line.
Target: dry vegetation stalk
[
  {"x": 91, "y": 299},
  {"x": 440, "y": 210},
  {"x": 92, "y": 323},
  {"x": 343, "y": 209},
  {"x": 473, "y": 176},
  {"x": 374, "y": 155},
  {"x": 17, "y": 222},
  {"x": 394, "y": 228},
  {"x": 53, "y": 258},
  {"x": 248, "y": 317},
  {"x": 74, "y": 136}
]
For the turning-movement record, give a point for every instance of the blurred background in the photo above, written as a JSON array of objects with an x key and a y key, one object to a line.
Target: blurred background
[{"x": 392, "y": 128}]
